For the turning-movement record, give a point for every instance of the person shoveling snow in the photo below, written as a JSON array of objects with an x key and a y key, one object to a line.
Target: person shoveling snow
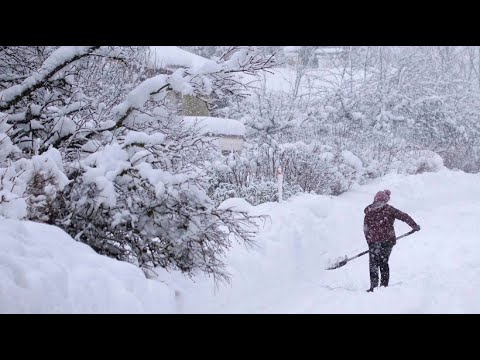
[{"x": 380, "y": 235}]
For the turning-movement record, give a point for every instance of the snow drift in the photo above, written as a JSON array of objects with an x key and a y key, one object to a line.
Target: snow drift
[{"x": 43, "y": 270}]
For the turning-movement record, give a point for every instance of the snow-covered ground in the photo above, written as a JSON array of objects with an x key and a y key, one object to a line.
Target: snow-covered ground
[
  {"x": 43, "y": 270},
  {"x": 436, "y": 270}
]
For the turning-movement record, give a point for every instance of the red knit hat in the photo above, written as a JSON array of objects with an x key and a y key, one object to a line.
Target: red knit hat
[{"x": 382, "y": 196}]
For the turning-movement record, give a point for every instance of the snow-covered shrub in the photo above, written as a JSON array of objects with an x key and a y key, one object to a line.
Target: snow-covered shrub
[
  {"x": 222, "y": 191},
  {"x": 420, "y": 161},
  {"x": 105, "y": 157},
  {"x": 12, "y": 201},
  {"x": 319, "y": 168},
  {"x": 12, "y": 198},
  {"x": 267, "y": 191},
  {"x": 306, "y": 167},
  {"x": 45, "y": 180},
  {"x": 255, "y": 193}
]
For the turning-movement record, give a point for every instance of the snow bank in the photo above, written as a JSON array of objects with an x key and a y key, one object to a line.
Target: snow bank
[{"x": 43, "y": 270}]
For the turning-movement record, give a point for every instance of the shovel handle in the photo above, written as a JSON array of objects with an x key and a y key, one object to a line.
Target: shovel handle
[
  {"x": 344, "y": 262},
  {"x": 408, "y": 233}
]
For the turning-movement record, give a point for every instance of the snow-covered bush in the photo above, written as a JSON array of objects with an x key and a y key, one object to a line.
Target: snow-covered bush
[
  {"x": 313, "y": 168},
  {"x": 255, "y": 193},
  {"x": 419, "y": 161},
  {"x": 104, "y": 157}
]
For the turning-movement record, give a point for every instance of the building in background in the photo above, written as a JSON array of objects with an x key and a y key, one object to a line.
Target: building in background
[{"x": 228, "y": 134}]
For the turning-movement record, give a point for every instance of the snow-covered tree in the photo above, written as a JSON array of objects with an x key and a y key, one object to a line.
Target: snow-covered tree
[{"x": 121, "y": 171}]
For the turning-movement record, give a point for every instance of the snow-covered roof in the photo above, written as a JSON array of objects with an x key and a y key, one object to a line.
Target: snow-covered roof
[
  {"x": 216, "y": 126},
  {"x": 173, "y": 56}
]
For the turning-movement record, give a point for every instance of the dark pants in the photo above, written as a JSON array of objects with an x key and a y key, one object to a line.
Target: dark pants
[{"x": 378, "y": 259}]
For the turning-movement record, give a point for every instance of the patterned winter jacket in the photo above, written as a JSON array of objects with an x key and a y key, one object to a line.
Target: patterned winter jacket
[{"x": 378, "y": 222}]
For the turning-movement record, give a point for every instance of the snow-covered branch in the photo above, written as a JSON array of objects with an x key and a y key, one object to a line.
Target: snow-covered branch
[{"x": 58, "y": 60}]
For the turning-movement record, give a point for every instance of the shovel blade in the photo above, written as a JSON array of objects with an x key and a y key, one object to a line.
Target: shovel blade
[{"x": 338, "y": 264}]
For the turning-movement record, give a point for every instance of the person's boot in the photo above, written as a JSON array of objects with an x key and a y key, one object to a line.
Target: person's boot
[
  {"x": 385, "y": 277},
  {"x": 373, "y": 284}
]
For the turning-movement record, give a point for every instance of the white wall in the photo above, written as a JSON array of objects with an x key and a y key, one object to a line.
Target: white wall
[{"x": 231, "y": 143}]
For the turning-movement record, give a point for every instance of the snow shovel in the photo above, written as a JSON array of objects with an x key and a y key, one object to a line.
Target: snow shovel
[{"x": 344, "y": 261}]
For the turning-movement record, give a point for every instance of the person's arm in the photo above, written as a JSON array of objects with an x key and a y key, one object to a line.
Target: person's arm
[
  {"x": 365, "y": 231},
  {"x": 400, "y": 215}
]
